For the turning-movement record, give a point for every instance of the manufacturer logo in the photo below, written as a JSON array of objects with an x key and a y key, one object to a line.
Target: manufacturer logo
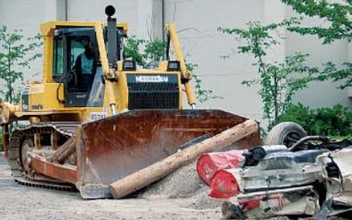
[
  {"x": 152, "y": 79},
  {"x": 37, "y": 106}
]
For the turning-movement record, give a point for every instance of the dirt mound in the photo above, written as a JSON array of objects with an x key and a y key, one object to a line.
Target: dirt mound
[
  {"x": 201, "y": 200},
  {"x": 183, "y": 183}
]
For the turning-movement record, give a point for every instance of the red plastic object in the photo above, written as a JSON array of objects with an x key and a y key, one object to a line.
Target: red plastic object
[
  {"x": 224, "y": 185},
  {"x": 251, "y": 204},
  {"x": 208, "y": 164}
]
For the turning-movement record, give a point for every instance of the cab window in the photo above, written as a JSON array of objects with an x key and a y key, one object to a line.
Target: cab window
[{"x": 58, "y": 62}]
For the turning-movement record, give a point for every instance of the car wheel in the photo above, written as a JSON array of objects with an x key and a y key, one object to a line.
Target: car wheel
[{"x": 285, "y": 133}]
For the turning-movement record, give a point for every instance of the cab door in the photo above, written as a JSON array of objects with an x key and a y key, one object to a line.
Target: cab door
[{"x": 69, "y": 43}]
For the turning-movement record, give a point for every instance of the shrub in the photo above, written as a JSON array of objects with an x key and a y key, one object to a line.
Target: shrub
[{"x": 335, "y": 121}]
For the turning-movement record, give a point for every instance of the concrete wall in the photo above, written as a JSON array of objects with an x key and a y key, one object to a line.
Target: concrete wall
[
  {"x": 197, "y": 22},
  {"x": 323, "y": 93},
  {"x": 140, "y": 15},
  {"x": 26, "y": 16},
  {"x": 205, "y": 46}
]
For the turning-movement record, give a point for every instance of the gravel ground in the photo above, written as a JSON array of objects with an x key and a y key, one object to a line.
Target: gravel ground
[
  {"x": 163, "y": 201},
  {"x": 181, "y": 195}
]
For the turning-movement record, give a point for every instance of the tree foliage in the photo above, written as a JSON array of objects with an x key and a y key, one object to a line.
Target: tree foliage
[
  {"x": 16, "y": 55},
  {"x": 201, "y": 93},
  {"x": 321, "y": 121},
  {"x": 337, "y": 17},
  {"x": 146, "y": 53},
  {"x": 337, "y": 25},
  {"x": 278, "y": 80}
]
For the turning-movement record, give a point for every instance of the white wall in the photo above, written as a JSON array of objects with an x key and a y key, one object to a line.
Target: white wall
[
  {"x": 137, "y": 13},
  {"x": 27, "y": 16},
  {"x": 319, "y": 94},
  {"x": 197, "y": 22}
]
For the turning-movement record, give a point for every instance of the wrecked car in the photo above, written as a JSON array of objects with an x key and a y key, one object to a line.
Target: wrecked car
[{"x": 292, "y": 175}]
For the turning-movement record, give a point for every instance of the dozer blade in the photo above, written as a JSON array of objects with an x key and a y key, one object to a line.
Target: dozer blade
[{"x": 114, "y": 147}]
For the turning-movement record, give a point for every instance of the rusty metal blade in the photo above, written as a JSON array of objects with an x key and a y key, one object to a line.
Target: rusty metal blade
[
  {"x": 54, "y": 170},
  {"x": 115, "y": 147}
]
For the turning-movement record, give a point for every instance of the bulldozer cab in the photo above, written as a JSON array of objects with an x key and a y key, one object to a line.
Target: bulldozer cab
[{"x": 76, "y": 65}]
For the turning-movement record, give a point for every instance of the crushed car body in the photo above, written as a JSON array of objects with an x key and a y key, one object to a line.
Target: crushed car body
[{"x": 311, "y": 176}]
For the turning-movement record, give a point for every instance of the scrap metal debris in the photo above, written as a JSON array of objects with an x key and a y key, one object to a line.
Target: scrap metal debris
[{"x": 310, "y": 177}]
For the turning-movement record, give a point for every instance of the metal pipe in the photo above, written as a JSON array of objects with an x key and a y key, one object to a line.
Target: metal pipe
[
  {"x": 66, "y": 9},
  {"x": 112, "y": 44},
  {"x": 179, "y": 56},
  {"x": 113, "y": 109},
  {"x": 162, "y": 19}
]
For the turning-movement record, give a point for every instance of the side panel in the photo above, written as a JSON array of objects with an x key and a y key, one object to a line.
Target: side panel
[{"x": 44, "y": 97}]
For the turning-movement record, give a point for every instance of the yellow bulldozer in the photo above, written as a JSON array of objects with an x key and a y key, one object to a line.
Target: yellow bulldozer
[{"x": 87, "y": 125}]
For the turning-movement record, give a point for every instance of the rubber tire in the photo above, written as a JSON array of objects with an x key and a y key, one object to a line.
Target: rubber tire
[{"x": 285, "y": 133}]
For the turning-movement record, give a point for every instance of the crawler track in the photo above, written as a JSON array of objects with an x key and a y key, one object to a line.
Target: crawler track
[{"x": 66, "y": 129}]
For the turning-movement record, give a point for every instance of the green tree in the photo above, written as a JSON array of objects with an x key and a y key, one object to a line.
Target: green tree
[
  {"x": 201, "y": 93},
  {"x": 278, "y": 80},
  {"x": 146, "y": 53},
  {"x": 15, "y": 57},
  {"x": 337, "y": 26}
]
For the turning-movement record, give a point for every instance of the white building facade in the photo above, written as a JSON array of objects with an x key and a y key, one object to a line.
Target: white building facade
[{"x": 197, "y": 22}]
